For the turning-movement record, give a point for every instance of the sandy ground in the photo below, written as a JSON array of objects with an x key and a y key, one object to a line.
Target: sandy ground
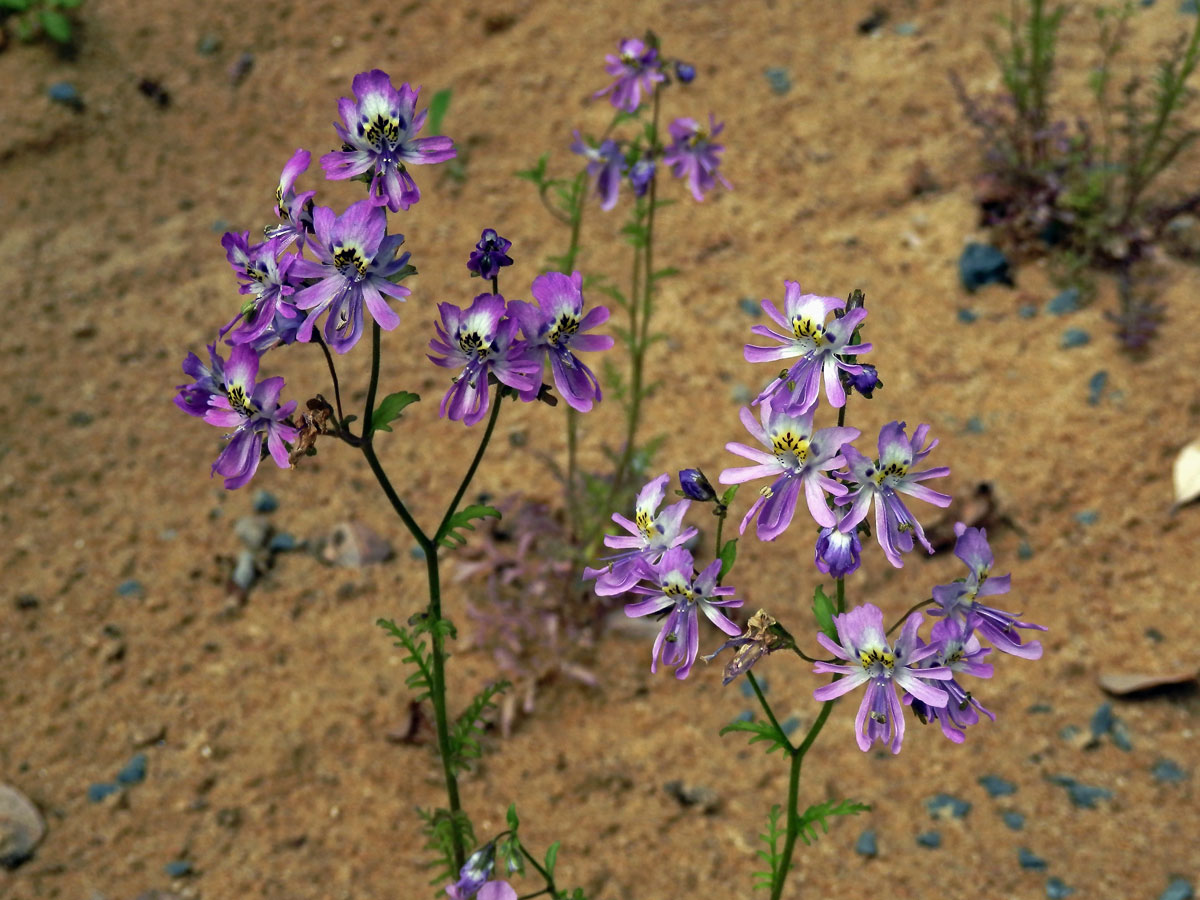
[{"x": 265, "y": 724}]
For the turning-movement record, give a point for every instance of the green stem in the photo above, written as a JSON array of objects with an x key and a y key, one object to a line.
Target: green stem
[
  {"x": 337, "y": 393},
  {"x": 572, "y": 416},
  {"x": 373, "y": 384},
  {"x": 762, "y": 700},
  {"x": 550, "y": 887},
  {"x": 443, "y": 527}
]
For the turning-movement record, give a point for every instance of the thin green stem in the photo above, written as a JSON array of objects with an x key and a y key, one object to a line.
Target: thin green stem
[
  {"x": 337, "y": 393},
  {"x": 572, "y": 422},
  {"x": 462, "y": 488},
  {"x": 762, "y": 700},
  {"x": 373, "y": 384},
  {"x": 550, "y": 887}
]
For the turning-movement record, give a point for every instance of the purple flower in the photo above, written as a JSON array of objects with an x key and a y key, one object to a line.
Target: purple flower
[
  {"x": 960, "y": 652},
  {"x": 797, "y": 459},
  {"x": 480, "y": 339},
  {"x": 251, "y": 409},
  {"x": 651, "y": 534},
  {"x": 357, "y": 259},
  {"x": 693, "y": 155},
  {"x": 960, "y": 601},
  {"x": 677, "y": 588},
  {"x": 606, "y": 164},
  {"x": 865, "y": 381},
  {"x": 838, "y": 554},
  {"x": 474, "y": 873},
  {"x": 640, "y": 176},
  {"x": 819, "y": 346},
  {"x": 637, "y": 69},
  {"x": 685, "y": 72},
  {"x": 489, "y": 255},
  {"x": 884, "y": 480},
  {"x": 208, "y": 382},
  {"x": 873, "y": 662},
  {"x": 293, "y": 210},
  {"x": 491, "y": 890},
  {"x": 554, "y": 328},
  {"x": 695, "y": 486},
  {"x": 377, "y": 134},
  {"x": 264, "y": 275}
]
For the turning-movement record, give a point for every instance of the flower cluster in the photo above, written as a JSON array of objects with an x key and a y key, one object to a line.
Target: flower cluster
[
  {"x": 639, "y": 74},
  {"x": 313, "y": 263}
]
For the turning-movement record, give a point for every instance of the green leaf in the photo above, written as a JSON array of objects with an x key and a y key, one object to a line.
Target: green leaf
[
  {"x": 538, "y": 173},
  {"x": 513, "y": 822},
  {"x": 819, "y": 813},
  {"x": 462, "y": 519},
  {"x": 15, "y": 5},
  {"x": 389, "y": 409},
  {"x": 728, "y": 557},
  {"x": 420, "y": 681},
  {"x": 403, "y": 272},
  {"x": 65, "y": 4},
  {"x": 437, "y": 110},
  {"x": 823, "y": 610},
  {"x": 762, "y": 731},
  {"x": 770, "y": 837},
  {"x": 664, "y": 273},
  {"x": 464, "y": 735},
  {"x": 730, "y": 493},
  {"x": 552, "y": 857},
  {"x": 56, "y": 25}
]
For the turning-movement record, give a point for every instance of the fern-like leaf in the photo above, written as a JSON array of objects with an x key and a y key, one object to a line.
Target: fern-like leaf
[
  {"x": 819, "y": 813},
  {"x": 464, "y": 736},
  {"x": 450, "y": 536},
  {"x": 770, "y": 837},
  {"x": 761, "y": 731},
  {"x": 421, "y": 680}
]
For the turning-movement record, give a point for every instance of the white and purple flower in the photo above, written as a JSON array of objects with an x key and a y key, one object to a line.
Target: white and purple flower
[
  {"x": 293, "y": 210},
  {"x": 678, "y": 588},
  {"x": 960, "y": 652},
  {"x": 883, "y": 481},
  {"x": 694, "y": 156},
  {"x": 480, "y": 339},
  {"x": 650, "y": 535},
  {"x": 356, "y": 259},
  {"x": 637, "y": 69},
  {"x": 820, "y": 347},
  {"x": 796, "y": 457},
  {"x": 872, "y": 661},
  {"x": 605, "y": 164},
  {"x": 378, "y": 133},
  {"x": 264, "y": 275},
  {"x": 554, "y": 328}
]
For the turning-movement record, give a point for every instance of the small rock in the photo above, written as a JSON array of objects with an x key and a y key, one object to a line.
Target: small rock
[
  {"x": 1074, "y": 337},
  {"x": 1123, "y": 685},
  {"x": 26, "y": 602},
  {"x": 906, "y": 29},
  {"x": 1030, "y": 860},
  {"x": 1178, "y": 889},
  {"x": 779, "y": 80},
  {"x": 178, "y": 868},
  {"x": 945, "y": 806},
  {"x": 1013, "y": 819},
  {"x": 997, "y": 786},
  {"x": 1024, "y": 551},
  {"x": 353, "y": 544},
  {"x": 750, "y": 306},
  {"x": 930, "y": 839},
  {"x": 746, "y": 715},
  {"x": 265, "y": 502},
  {"x": 703, "y": 797},
  {"x": 741, "y": 395},
  {"x": 982, "y": 264},
  {"x": 134, "y": 771},
  {"x": 241, "y": 68},
  {"x": 1189, "y": 7},
  {"x": 21, "y": 827},
  {"x": 1102, "y": 720},
  {"x": 1027, "y": 311},
  {"x": 748, "y": 688},
  {"x": 101, "y": 790},
  {"x": 282, "y": 543},
  {"x": 967, "y": 316},
  {"x": 130, "y": 588},
  {"x": 208, "y": 44},
  {"x": 65, "y": 93},
  {"x": 867, "y": 845},
  {"x": 975, "y": 425},
  {"x": 252, "y": 531},
  {"x": 790, "y": 724},
  {"x": 1087, "y": 517},
  {"x": 81, "y": 418},
  {"x": 1168, "y": 772},
  {"x": 1096, "y": 385},
  {"x": 1065, "y": 302},
  {"x": 1082, "y": 795},
  {"x": 1057, "y": 890},
  {"x": 245, "y": 570}
]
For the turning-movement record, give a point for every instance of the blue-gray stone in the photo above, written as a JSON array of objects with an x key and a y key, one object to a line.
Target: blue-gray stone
[
  {"x": 65, "y": 93},
  {"x": 101, "y": 789},
  {"x": 982, "y": 264},
  {"x": 975, "y": 425},
  {"x": 750, "y": 306},
  {"x": 997, "y": 786},
  {"x": 1057, "y": 890},
  {"x": 906, "y": 29},
  {"x": 130, "y": 588},
  {"x": 1024, "y": 551},
  {"x": 1068, "y": 732},
  {"x": 1119, "y": 734},
  {"x": 1178, "y": 889},
  {"x": 134, "y": 771},
  {"x": 741, "y": 394},
  {"x": 1013, "y": 819},
  {"x": 416, "y": 552},
  {"x": 245, "y": 571},
  {"x": 208, "y": 45},
  {"x": 1040, "y": 708},
  {"x": 867, "y": 844},
  {"x": 1027, "y": 311},
  {"x": 1102, "y": 720},
  {"x": 967, "y": 316},
  {"x": 1189, "y": 7},
  {"x": 1154, "y": 634},
  {"x": 930, "y": 839},
  {"x": 939, "y": 805},
  {"x": 1168, "y": 772},
  {"x": 1087, "y": 517},
  {"x": 748, "y": 688},
  {"x": 1030, "y": 860},
  {"x": 265, "y": 502},
  {"x": 178, "y": 868},
  {"x": 1074, "y": 337},
  {"x": 790, "y": 724},
  {"x": 779, "y": 79},
  {"x": 1082, "y": 795},
  {"x": 1096, "y": 386},
  {"x": 1066, "y": 302},
  {"x": 282, "y": 543},
  {"x": 745, "y": 715}
]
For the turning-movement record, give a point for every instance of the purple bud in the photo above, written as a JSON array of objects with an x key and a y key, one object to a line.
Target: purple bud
[
  {"x": 640, "y": 175},
  {"x": 489, "y": 255},
  {"x": 866, "y": 381},
  {"x": 696, "y": 486},
  {"x": 838, "y": 554},
  {"x": 684, "y": 72}
]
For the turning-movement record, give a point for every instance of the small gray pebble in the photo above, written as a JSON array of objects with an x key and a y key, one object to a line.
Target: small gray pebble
[
  {"x": 1074, "y": 337},
  {"x": 1096, "y": 385},
  {"x": 134, "y": 771},
  {"x": 21, "y": 827},
  {"x": 944, "y": 805},
  {"x": 967, "y": 316},
  {"x": 1066, "y": 302},
  {"x": 1178, "y": 889},
  {"x": 98, "y": 791},
  {"x": 1168, "y": 772},
  {"x": 265, "y": 502},
  {"x": 981, "y": 264},
  {"x": 779, "y": 79},
  {"x": 252, "y": 531},
  {"x": 867, "y": 844},
  {"x": 1013, "y": 819},
  {"x": 245, "y": 570},
  {"x": 1102, "y": 720},
  {"x": 208, "y": 45},
  {"x": 997, "y": 786},
  {"x": 65, "y": 93},
  {"x": 178, "y": 868},
  {"x": 906, "y": 29},
  {"x": 1030, "y": 860},
  {"x": 930, "y": 839},
  {"x": 130, "y": 588},
  {"x": 1057, "y": 890},
  {"x": 750, "y": 306},
  {"x": 1028, "y": 311},
  {"x": 282, "y": 543},
  {"x": 741, "y": 394},
  {"x": 1087, "y": 517}
]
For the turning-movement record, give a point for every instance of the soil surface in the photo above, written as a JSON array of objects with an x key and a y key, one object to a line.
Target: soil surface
[{"x": 265, "y": 719}]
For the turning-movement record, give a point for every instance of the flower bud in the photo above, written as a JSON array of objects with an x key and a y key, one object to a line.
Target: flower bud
[
  {"x": 684, "y": 72},
  {"x": 696, "y": 486},
  {"x": 866, "y": 381}
]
